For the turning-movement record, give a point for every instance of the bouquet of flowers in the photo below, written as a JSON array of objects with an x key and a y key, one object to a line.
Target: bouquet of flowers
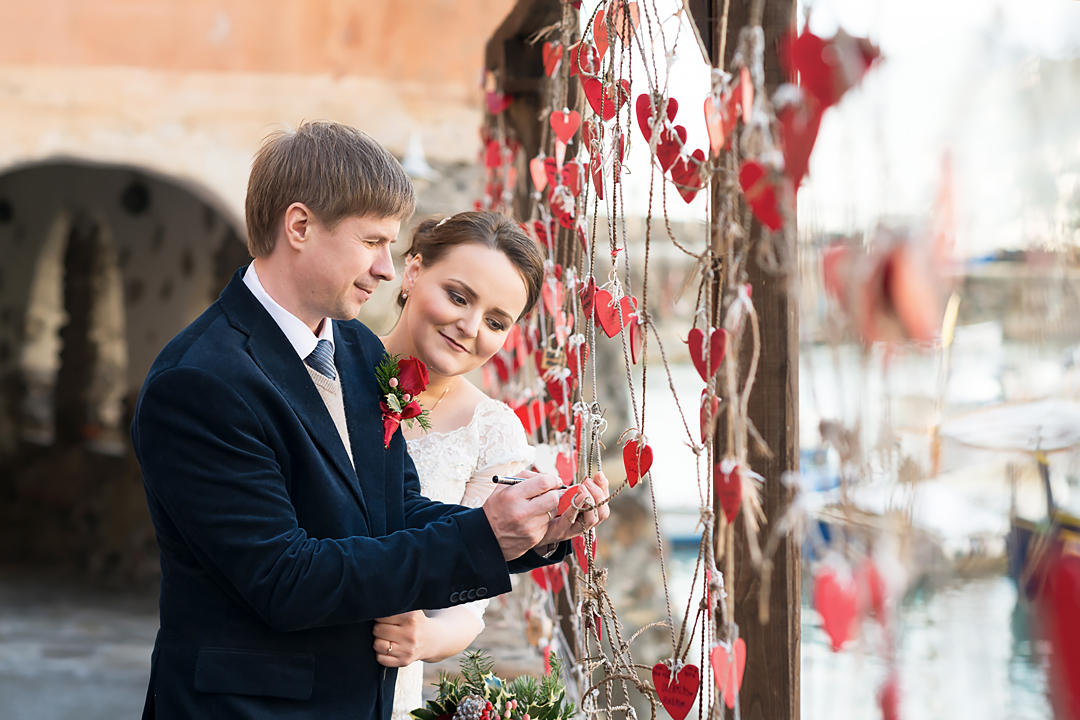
[
  {"x": 400, "y": 381},
  {"x": 480, "y": 695}
]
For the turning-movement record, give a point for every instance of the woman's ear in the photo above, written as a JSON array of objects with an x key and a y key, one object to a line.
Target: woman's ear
[
  {"x": 413, "y": 265},
  {"x": 298, "y": 219}
]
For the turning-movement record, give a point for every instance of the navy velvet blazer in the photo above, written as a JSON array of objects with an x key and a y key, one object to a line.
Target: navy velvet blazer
[{"x": 276, "y": 552}]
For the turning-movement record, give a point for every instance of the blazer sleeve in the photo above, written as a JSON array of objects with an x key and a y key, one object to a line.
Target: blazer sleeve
[{"x": 207, "y": 463}]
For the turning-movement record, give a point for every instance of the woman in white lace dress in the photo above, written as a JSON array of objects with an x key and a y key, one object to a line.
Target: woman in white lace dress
[{"x": 467, "y": 279}]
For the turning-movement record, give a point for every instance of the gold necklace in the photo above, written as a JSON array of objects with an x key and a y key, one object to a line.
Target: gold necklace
[{"x": 445, "y": 390}]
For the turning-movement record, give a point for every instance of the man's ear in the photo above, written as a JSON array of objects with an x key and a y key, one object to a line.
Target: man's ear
[
  {"x": 413, "y": 265},
  {"x": 298, "y": 220}
]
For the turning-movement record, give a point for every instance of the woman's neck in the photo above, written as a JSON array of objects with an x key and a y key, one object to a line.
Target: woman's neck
[{"x": 438, "y": 386}]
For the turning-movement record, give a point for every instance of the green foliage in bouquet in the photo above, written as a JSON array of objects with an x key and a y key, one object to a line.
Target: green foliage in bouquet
[{"x": 481, "y": 695}]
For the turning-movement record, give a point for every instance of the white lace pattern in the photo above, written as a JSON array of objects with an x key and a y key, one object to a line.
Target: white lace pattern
[{"x": 456, "y": 467}]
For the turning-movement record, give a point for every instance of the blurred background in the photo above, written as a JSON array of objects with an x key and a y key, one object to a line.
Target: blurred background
[{"x": 127, "y": 129}]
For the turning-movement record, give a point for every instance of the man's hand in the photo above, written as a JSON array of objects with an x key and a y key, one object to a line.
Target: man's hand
[
  {"x": 576, "y": 519},
  {"x": 400, "y": 639},
  {"x": 520, "y": 514}
]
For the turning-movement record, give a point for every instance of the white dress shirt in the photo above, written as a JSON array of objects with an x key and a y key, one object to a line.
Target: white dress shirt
[{"x": 297, "y": 332}]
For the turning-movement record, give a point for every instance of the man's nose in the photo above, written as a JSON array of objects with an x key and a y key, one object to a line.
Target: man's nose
[{"x": 383, "y": 267}]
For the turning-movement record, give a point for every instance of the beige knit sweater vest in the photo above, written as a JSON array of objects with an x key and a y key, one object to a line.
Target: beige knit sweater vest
[{"x": 330, "y": 390}]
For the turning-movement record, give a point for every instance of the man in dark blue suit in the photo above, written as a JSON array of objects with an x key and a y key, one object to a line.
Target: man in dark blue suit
[{"x": 285, "y": 526}]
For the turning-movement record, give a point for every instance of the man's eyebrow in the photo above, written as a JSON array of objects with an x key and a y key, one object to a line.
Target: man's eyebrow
[{"x": 471, "y": 295}]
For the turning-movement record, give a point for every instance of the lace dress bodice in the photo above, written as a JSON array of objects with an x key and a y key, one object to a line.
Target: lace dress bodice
[{"x": 456, "y": 467}]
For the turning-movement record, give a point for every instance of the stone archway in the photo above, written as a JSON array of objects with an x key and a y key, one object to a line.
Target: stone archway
[{"x": 102, "y": 265}]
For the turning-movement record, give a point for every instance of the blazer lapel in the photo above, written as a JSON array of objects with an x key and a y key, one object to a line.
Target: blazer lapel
[
  {"x": 361, "y": 394},
  {"x": 272, "y": 352}
]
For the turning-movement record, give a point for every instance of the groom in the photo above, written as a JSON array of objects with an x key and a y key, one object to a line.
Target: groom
[{"x": 285, "y": 527}]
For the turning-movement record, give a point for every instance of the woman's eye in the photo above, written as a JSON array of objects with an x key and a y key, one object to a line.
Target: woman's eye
[
  {"x": 456, "y": 299},
  {"x": 496, "y": 325}
]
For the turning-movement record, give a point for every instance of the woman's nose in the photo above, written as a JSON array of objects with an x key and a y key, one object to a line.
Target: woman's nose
[{"x": 469, "y": 324}]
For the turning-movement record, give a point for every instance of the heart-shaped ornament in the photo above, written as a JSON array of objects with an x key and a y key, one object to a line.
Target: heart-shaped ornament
[
  {"x": 592, "y": 132},
  {"x": 637, "y": 338},
  {"x": 552, "y": 57},
  {"x": 728, "y": 667},
  {"x": 492, "y": 154},
  {"x": 643, "y": 108},
  {"x": 676, "y": 693},
  {"x": 760, "y": 193},
  {"x": 727, "y": 483},
  {"x": 584, "y": 59},
  {"x": 537, "y": 173},
  {"x": 587, "y": 292},
  {"x": 600, "y": 33},
  {"x": 707, "y": 411},
  {"x": 799, "y": 124},
  {"x": 565, "y": 124},
  {"x": 669, "y": 147},
  {"x": 687, "y": 175},
  {"x": 607, "y": 315},
  {"x": 549, "y": 578},
  {"x": 719, "y": 123},
  {"x": 603, "y": 99},
  {"x": 637, "y": 459},
  {"x": 836, "y": 601},
  {"x": 552, "y": 294},
  {"x": 497, "y": 102},
  {"x": 581, "y": 553},
  {"x": 566, "y": 500},
  {"x": 571, "y": 177},
  {"x": 596, "y": 172},
  {"x": 625, "y": 17},
  {"x": 717, "y": 345}
]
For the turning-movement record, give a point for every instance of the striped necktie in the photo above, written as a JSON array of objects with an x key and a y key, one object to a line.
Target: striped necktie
[{"x": 321, "y": 359}]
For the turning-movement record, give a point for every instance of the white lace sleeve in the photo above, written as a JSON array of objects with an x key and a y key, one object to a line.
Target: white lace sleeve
[{"x": 504, "y": 450}]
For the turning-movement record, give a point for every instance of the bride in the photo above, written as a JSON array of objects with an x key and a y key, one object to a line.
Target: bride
[{"x": 467, "y": 280}]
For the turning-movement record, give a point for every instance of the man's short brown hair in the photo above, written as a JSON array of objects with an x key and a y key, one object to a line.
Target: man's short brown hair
[{"x": 336, "y": 170}]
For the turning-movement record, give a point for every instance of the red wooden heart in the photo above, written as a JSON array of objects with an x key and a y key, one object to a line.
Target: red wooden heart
[
  {"x": 746, "y": 95},
  {"x": 536, "y": 172},
  {"x": 760, "y": 193},
  {"x": 552, "y": 56},
  {"x": 550, "y": 578},
  {"x": 676, "y": 694},
  {"x": 707, "y": 411},
  {"x": 667, "y": 150},
  {"x": 551, "y": 172},
  {"x": 728, "y": 669},
  {"x": 552, "y": 294},
  {"x": 578, "y": 543},
  {"x": 571, "y": 177},
  {"x": 799, "y": 124},
  {"x": 568, "y": 495},
  {"x": 596, "y": 172},
  {"x": 530, "y": 414},
  {"x": 687, "y": 175},
  {"x": 600, "y": 33},
  {"x": 587, "y": 293},
  {"x": 643, "y": 107},
  {"x": 501, "y": 369},
  {"x": 1060, "y": 604},
  {"x": 592, "y": 132},
  {"x": 497, "y": 102},
  {"x": 556, "y": 416},
  {"x": 625, "y": 18},
  {"x": 565, "y": 124},
  {"x": 602, "y": 100},
  {"x": 727, "y": 483},
  {"x": 717, "y": 347},
  {"x": 719, "y": 122},
  {"x": 492, "y": 154},
  {"x": 587, "y": 62},
  {"x": 607, "y": 315},
  {"x": 835, "y": 600},
  {"x": 637, "y": 338},
  {"x": 873, "y": 592},
  {"x": 827, "y": 68},
  {"x": 637, "y": 459},
  {"x": 544, "y": 233}
]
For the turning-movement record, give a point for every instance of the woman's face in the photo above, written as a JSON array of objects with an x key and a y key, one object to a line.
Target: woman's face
[{"x": 460, "y": 308}]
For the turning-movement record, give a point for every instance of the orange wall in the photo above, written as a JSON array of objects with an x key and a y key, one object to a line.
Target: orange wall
[{"x": 415, "y": 41}]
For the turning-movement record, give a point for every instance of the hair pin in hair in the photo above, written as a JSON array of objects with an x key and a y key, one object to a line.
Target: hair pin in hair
[{"x": 440, "y": 223}]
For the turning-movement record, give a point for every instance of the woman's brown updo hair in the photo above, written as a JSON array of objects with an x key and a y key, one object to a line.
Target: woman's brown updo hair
[{"x": 432, "y": 239}]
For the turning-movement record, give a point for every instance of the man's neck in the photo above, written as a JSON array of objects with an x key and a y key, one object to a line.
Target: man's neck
[{"x": 278, "y": 285}]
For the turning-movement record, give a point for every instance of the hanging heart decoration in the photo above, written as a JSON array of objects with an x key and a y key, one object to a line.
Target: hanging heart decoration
[
  {"x": 537, "y": 173},
  {"x": 728, "y": 667},
  {"x": 552, "y": 57},
  {"x": 497, "y": 102},
  {"x": 600, "y": 33},
  {"x": 687, "y": 174},
  {"x": 827, "y": 68},
  {"x": 760, "y": 193},
  {"x": 587, "y": 293},
  {"x": 581, "y": 553},
  {"x": 717, "y": 345},
  {"x": 552, "y": 295},
  {"x": 637, "y": 459},
  {"x": 530, "y": 414},
  {"x": 676, "y": 693},
  {"x": 549, "y": 578},
  {"x": 707, "y": 411},
  {"x": 643, "y": 108},
  {"x": 727, "y": 483},
  {"x": 799, "y": 124},
  {"x": 565, "y": 124},
  {"x": 584, "y": 59},
  {"x": 836, "y": 602},
  {"x": 596, "y": 172},
  {"x": 873, "y": 592},
  {"x": 566, "y": 500},
  {"x": 669, "y": 147},
  {"x": 602, "y": 100},
  {"x": 625, "y": 16},
  {"x": 637, "y": 338},
  {"x": 720, "y": 120},
  {"x": 607, "y": 313},
  {"x": 571, "y": 177}
]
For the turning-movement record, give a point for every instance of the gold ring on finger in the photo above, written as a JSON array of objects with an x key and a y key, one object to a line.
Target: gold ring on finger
[{"x": 389, "y": 647}]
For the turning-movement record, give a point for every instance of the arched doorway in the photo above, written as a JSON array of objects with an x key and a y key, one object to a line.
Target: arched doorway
[{"x": 102, "y": 265}]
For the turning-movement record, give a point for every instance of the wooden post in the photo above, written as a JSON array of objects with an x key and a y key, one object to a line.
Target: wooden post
[{"x": 770, "y": 689}]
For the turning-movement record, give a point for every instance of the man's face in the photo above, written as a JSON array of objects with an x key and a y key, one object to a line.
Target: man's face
[{"x": 342, "y": 266}]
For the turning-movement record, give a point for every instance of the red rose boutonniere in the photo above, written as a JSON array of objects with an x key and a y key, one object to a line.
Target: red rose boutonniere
[{"x": 400, "y": 381}]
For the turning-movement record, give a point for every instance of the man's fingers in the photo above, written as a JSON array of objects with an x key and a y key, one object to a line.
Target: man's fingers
[{"x": 537, "y": 485}]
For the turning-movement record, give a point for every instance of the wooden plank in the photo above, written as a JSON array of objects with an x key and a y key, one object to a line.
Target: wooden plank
[{"x": 770, "y": 689}]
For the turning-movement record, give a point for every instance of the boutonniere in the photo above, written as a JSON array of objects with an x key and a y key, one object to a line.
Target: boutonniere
[{"x": 400, "y": 381}]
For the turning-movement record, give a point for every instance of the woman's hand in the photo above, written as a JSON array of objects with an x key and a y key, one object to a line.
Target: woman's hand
[{"x": 401, "y": 640}]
